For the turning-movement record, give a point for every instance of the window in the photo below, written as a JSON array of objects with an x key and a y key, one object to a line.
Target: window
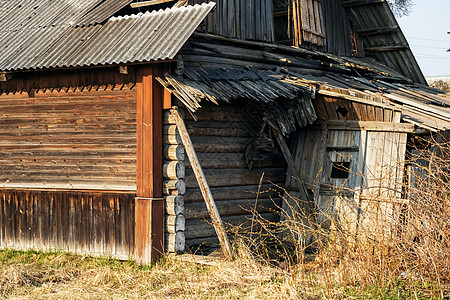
[
  {"x": 340, "y": 170},
  {"x": 342, "y": 111},
  {"x": 299, "y": 22},
  {"x": 307, "y": 21}
]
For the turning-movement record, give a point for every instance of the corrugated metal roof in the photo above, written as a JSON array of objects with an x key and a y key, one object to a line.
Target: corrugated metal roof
[
  {"x": 382, "y": 37},
  {"x": 144, "y": 37},
  {"x": 26, "y": 14}
]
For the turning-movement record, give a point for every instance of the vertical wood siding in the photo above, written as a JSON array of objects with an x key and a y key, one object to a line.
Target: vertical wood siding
[
  {"x": 241, "y": 19},
  {"x": 337, "y": 28},
  {"x": 322, "y": 25},
  {"x": 81, "y": 222},
  {"x": 328, "y": 108},
  {"x": 149, "y": 223}
]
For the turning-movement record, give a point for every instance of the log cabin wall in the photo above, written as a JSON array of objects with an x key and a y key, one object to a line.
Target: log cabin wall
[
  {"x": 174, "y": 186},
  {"x": 220, "y": 138}
]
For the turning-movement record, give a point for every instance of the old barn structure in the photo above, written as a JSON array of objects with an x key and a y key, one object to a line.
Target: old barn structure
[{"x": 92, "y": 157}]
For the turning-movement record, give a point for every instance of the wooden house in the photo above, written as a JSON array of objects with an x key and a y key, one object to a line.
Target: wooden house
[{"x": 92, "y": 159}]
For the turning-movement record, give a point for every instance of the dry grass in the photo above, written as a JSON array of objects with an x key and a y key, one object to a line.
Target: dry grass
[
  {"x": 37, "y": 275},
  {"x": 402, "y": 255},
  {"x": 399, "y": 250}
]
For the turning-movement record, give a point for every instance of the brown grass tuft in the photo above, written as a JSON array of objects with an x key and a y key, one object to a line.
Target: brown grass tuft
[{"x": 401, "y": 252}]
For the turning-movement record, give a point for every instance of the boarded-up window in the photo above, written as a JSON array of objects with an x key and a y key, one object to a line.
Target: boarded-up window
[
  {"x": 307, "y": 19},
  {"x": 299, "y": 22}
]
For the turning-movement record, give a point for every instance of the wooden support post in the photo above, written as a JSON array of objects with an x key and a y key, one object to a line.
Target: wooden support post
[
  {"x": 322, "y": 161},
  {"x": 149, "y": 203},
  {"x": 201, "y": 179}
]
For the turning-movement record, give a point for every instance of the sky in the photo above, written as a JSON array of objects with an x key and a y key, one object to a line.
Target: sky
[{"x": 426, "y": 31}]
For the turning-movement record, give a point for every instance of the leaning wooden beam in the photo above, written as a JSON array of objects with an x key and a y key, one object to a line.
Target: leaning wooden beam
[
  {"x": 181, "y": 3},
  {"x": 350, "y": 3},
  {"x": 149, "y": 3},
  {"x": 201, "y": 179},
  {"x": 290, "y": 161}
]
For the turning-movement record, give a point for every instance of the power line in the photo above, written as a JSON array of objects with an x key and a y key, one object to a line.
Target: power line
[
  {"x": 432, "y": 54},
  {"x": 431, "y": 57},
  {"x": 440, "y": 41},
  {"x": 441, "y": 48}
]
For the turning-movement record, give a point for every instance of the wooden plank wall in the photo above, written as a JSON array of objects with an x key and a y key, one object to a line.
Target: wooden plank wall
[
  {"x": 220, "y": 138},
  {"x": 375, "y": 146},
  {"x": 385, "y": 157},
  {"x": 375, "y": 178},
  {"x": 330, "y": 108},
  {"x": 324, "y": 25},
  {"x": 241, "y": 19},
  {"x": 77, "y": 130},
  {"x": 71, "y": 129},
  {"x": 337, "y": 28},
  {"x": 83, "y": 222},
  {"x": 69, "y": 139}
]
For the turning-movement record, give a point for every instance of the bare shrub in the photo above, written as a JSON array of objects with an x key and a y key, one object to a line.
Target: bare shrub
[
  {"x": 440, "y": 84},
  {"x": 401, "y": 7},
  {"x": 399, "y": 246}
]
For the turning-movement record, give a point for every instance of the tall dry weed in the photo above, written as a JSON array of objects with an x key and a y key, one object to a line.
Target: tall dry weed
[{"x": 384, "y": 247}]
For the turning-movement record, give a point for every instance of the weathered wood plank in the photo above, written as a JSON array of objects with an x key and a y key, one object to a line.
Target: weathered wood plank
[
  {"x": 368, "y": 125},
  {"x": 73, "y": 221},
  {"x": 203, "y": 228},
  {"x": 236, "y": 177},
  {"x": 233, "y": 207},
  {"x": 62, "y": 132},
  {"x": 236, "y": 192}
]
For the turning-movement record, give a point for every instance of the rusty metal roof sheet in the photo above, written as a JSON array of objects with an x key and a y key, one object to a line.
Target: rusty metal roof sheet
[{"x": 143, "y": 37}]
